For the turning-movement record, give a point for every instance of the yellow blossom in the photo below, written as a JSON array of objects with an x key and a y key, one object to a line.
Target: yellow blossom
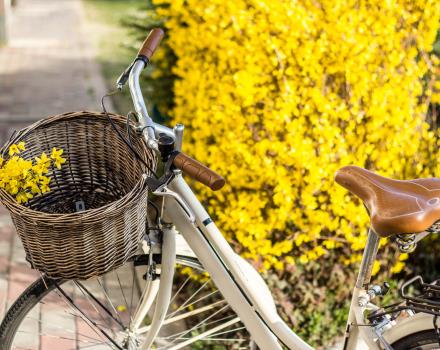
[
  {"x": 376, "y": 268},
  {"x": 121, "y": 308},
  {"x": 303, "y": 259},
  {"x": 25, "y": 178},
  {"x": 16, "y": 148},
  {"x": 398, "y": 267},
  {"x": 44, "y": 184},
  {"x": 43, "y": 160},
  {"x": 56, "y": 157},
  {"x": 280, "y": 94},
  {"x": 23, "y": 197}
]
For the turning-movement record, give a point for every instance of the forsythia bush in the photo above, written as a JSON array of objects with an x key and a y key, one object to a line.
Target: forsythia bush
[
  {"x": 277, "y": 95},
  {"x": 24, "y": 179}
]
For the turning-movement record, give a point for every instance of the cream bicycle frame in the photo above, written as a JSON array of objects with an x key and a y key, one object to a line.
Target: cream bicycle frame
[{"x": 239, "y": 283}]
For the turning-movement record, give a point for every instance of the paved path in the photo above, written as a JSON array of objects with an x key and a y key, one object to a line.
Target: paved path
[{"x": 47, "y": 68}]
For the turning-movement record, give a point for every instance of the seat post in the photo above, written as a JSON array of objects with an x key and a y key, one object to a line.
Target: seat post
[{"x": 368, "y": 259}]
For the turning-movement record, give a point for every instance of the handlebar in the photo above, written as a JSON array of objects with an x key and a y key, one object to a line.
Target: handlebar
[
  {"x": 151, "y": 130},
  {"x": 198, "y": 171},
  {"x": 151, "y": 43}
]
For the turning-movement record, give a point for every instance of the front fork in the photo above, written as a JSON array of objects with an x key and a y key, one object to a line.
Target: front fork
[{"x": 156, "y": 289}]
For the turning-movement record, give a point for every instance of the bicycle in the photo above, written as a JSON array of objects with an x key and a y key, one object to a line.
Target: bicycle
[{"x": 105, "y": 313}]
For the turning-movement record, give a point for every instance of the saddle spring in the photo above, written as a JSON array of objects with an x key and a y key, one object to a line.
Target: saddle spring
[{"x": 407, "y": 243}]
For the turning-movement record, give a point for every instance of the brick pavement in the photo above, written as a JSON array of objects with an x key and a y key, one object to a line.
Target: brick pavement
[{"x": 47, "y": 68}]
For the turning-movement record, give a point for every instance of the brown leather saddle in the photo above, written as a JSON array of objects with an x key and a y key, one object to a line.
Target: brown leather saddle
[{"x": 395, "y": 206}]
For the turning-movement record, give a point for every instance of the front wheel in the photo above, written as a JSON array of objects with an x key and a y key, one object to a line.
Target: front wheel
[
  {"x": 424, "y": 340},
  {"x": 96, "y": 314}
]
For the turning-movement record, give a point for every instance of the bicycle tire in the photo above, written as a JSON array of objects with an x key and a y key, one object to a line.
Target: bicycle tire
[
  {"x": 25, "y": 302},
  {"x": 42, "y": 288},
  {"x": 424, "y": 340}
]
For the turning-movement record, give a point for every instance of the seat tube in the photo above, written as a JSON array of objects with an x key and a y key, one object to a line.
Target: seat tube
[
  {"x": 353, "y": 333},
  {"x": 368, "y": 259}
]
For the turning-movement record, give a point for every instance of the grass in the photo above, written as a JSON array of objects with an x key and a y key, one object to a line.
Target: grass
[{"x": 115, "y": 42}]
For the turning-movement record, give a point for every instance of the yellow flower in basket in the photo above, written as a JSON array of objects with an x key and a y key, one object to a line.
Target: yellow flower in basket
[
  {"x": 16, "y": 148},
  {"x": 56, "y": 157},
  {"x": 25, "y": 178}
]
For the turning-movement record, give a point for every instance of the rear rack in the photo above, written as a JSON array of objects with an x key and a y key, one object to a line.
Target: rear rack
[{"x": 428, "y": 299}]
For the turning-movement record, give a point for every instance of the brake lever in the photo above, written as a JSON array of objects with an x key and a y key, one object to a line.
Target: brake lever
[{"x": 123, "y": 78}]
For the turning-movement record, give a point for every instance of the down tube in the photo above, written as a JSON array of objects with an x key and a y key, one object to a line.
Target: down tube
[
  {"x": 243, "y": 275},
  {"x": 259, "y": 332}
]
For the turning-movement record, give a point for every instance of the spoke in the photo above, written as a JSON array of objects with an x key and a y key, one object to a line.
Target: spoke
[
  {"x": 61, "y": 328},
  {"x": 189, "y": 299},
  {"x": 82, "y": 288},
  {"x": 53, "y": 336},
  {"x": 203, "y": 335},
  {"x": 180, "y": 335},
  {"x": 193, "y": 303},
  {"x": 220, "y": 320},
  {"x": 109, "y": 300},
  {"x": 202, "y": 298},
  {"x": 91, "y": 343},
  {"x": 81, "y": 316},
  {"x": 122, "y": 290},
  {"x": 180, "y": 289},
  {"x": 133, "y": 271},
  {"x": 202, "y": 322},
  {"x": 237, "y": 340},
  {"x": 85, "y": 316},
  {"x": 208, "y": 339},
  {"x": 183, "y": 316},
  {"x": 228, "y": 331},
  {"x": 89, "y": 346},
  {"x": 87, "y": 295}
]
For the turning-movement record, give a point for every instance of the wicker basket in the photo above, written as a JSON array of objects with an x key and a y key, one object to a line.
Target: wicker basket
[{"x": 100, "y": 174}]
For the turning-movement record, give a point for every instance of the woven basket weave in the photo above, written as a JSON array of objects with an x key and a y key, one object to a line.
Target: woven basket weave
[{"x": 100, "y": 174}]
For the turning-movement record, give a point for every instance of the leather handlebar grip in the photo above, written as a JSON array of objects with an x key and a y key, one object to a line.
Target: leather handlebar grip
[
  {"x": 199, "y": 172},
  {"x": 151, "y": 43}
]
